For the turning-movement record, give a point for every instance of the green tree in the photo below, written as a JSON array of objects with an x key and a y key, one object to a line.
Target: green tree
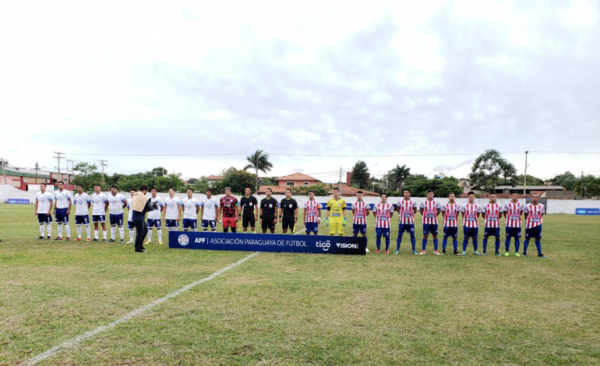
[
  {"x": 259, "y": 161},
  {"x": 490, "y": 169},
  {"x": 360, "y": 175},
  {"x": 567, "y": 180},
  {"x": 441, "y": 187},
  {"x": 163, "y": 183},
  {"x": 159, "y": 171},
  {"x": 199, "y": 185},
  {"x": 591, "y": 185},
  {"x": 395, "y": 176},
  {"x": 87, "y": 176},
  {"x": 320, "y": 189},
  {"x": 237, "y": 180},
  {"x": 268, "y": 181},
  {"x": 531, "y": 180}
]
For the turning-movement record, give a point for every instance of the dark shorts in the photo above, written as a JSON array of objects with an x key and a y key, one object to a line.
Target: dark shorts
[
  {"x": 406, "y": 228},
  {"x": 382, "y": 231},
  {"x": 470, "y": 232},
  {"x": 248, "y": 220},
  {"x": 98, "y": 218},
  {"x": 153, "y": 223},
  {"x": 267, "y": 223},
  {"x": 116, "y": 220},
  {"x": 190, "y": 224},
  {"x": 430, "y": 228},
  {"x": 534, "y": 233},
  {"x": 171, "y": 223},
  {"x": 312, "y": 227},
  {"x": 207, "y": 223},
  {"x": 82, "y": 220},
  {"x": 61, "y": 216},
  {"x": 451, "y": 231},
  {"x": 130, "y": 225},
  {"x": 44, "y": 219},
  {"x": 492, "y": 231},
  {"x": 513, "y": 232},
  {"x": 359, "y": 228},
  {"x": 288, "y": 222}
]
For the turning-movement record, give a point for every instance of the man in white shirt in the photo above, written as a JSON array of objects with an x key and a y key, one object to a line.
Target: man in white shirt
[
  {"x": 43, "y": 205},
  {"x": 116, "y": 203},
  {"x": 171, "y": 211},
  {"x": 130, "y": 224},
  {"x": 190, "y": 207},
  {"x": 154, "y": 217},
  {"x": 82, "y": 205},
  {"x": 209, "y": 211},
  {"x": 62, "y": 208},
  {"x": 100, "y": 205}
]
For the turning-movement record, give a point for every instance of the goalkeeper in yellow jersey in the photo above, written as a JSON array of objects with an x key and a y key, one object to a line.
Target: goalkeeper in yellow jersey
[{"x": 335, "y": 216}]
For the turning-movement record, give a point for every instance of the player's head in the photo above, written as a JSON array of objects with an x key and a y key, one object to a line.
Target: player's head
[
  {"x": 248, "y": 191},
  {"x": 114, "y": 190},
  {"x": 514, "y": 196},
  {"x": 132, "y": 192},
  {"x": 383, "y": 197},
  {"x": 311, "y": 195},
  {"x": 269, "y": 191},
  {"x": 451, "y": 197},
  {"x": 535, "y": 197},
  {"x": 406, "y": 193},
  {"x": 208, "y": 193},
  {"x": 144, "y": 188},
  {"x": 153, "y": 191},
  {"x": 430, "y": 194},
  {"x": 97, "y": 188},
  {"x": 43, "y": 187},
  {"x": 79, "y": 188},
  {"x": 171, "y": 192},
  {"x": 227, "y": 191},
  {"x": 336, "y": 192},
  {"x": 189, "y": 192},
  {"x": 60, "y": 184},
  {"x": 359, "y": 195},
  {"x": 492, "y": 198},
  {"x": 288, "y": 193},
  {"x": 471, "y": 196}
]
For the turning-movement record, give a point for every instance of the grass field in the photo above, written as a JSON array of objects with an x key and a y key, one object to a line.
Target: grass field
[{"x": 281, "y": 309}]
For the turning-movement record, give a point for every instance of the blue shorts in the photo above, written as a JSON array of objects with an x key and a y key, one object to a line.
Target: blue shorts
[
  {"x": 451, "y": 231},
  {"x": 513, "y": 232},
  {"x": 116, "y": 220},
  {"x": 406, "y": 228},
  {"x": 492, "y": 231},
  {"x": 44, "y": 219},
  {"x": 430, "y": 228},
  {"x": 130, "y": 225},
  {"x": 171, "y": 223},
  {"x": 154, "y": 223},
  {"x": 61, "y": 216},
  {"x": 382, "y": 231},
  {"x": 190, "y": 224},
  {"x": 359, "y": 228},
  {"x": 470, "y": 232},
  {"x": 312, "y": 227},
  {"x": 98, "y": 218},
  {"x": 82, "y": 220},
  {"x": 212, "y": 223},
  {"x": 534, "y": 232}
]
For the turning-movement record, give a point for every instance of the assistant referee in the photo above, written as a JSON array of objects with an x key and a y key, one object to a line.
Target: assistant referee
[
  {"x": 288, "y": 212},
  {"x": 268, "y": 210},
  {"x": 249, "y": 205}
]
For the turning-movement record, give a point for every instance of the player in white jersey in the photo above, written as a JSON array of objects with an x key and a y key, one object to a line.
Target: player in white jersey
[
  {"x": 62, "y": 209},
  {"x": 82, "y": 203},
  {"x": 43, "y": 206},
  {"x": 450, "y": 214},
  {"x": 130, "y": 224},
  {"x": 154, "y": 217},
  {"x": 533, "y": 229},
  {"x": 312, "y": 214},
  {"x": 360, "y": 212},
  {"x": 407, "y": 208},
  {"x": 190, "y": 207},
  {"x": 209, "y": 211},
  {"x": 430, "y": 209},
  {"x": 171, "y": 211},
  {"x": 116, "y": 203},
  {"x": 491, "y": 212},
  {"x": 470, "y": 213},
  {"x": 513, "y": 212},
  {"x": 383, "y": 212},
  {"x": 99, "y": 207}
]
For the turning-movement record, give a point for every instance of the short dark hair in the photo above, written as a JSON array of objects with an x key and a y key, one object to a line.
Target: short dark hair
[
  {"x": 361, "y": 192},
  {"x": 406, "y": 189},
  {"x": 60, "y": 181},
  {"x": 43, "y": 184},
  {"x": 269, "y": 189},
  {"x": 471, "y": 193},
  {"x": 311, "y": 191},
  {"x": 287, "y": 189},
  {"x": 430, "y": 191},
  {"x": 228, "y": 189},
  {"x": 113, "y": 186},
  {"x": 132, "y": 190},
  {"x": 143, "y": 187},
  {"x": 97, "y": 185},
  {"x": 451, "y": 193},
  {"x": 250, "y": 188},
  {"x": 153, "y": 189},
  {"x": 336, "y": 189},
  {"x": 383, "y": 194},
  {"x": 207, "y": 190},
  {"x": 189, "y": 189},
  {"x": 79, "y": 185}
]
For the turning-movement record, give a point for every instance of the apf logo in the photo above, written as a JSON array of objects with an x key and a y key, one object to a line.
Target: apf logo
[
  {"x": 183, "y": 240},
  {"x": 324, "y": 245}
]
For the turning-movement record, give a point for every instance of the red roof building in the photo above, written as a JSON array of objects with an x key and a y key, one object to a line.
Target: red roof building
[{"x": 297, "y": 180}]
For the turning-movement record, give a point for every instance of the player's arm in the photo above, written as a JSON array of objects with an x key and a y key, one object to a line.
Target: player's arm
[
  {"x": 392, "y": 213},
  {"x": 197, "y": 208},
  {"x": 105, "y": 206},
  {"x": 280, "y": 214},
  {"x": 237, "y": 211},
  {"x": 124, "y": 203},
  {"x": 70, "y": 203},
  {"x": 344, "y": 211},
  {"x": 319, "y": 211},
  {"x": 50, "y": 209},
  {"x": 164, "y": 213},
  {"x": 296, "y": 214},
  {"x": 54, "y": 211},
  {"x": 36, "y": 206},
  {"x": 261, "y": 214},
  {"x": 255, "y": 209},
  {"x": 420, "y": 210}
]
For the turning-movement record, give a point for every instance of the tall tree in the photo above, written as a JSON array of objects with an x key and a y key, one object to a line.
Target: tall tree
[
  {"x": 88, "y": 176},
  {"x": 395, "y": 176},
  {"x": 360, "y": 175},
  {"x": 489, "y": 169},
  {"x": 159, "y": 171},
  {"x": 259, "y": 161},
  {"x": 567, "y": 180}
]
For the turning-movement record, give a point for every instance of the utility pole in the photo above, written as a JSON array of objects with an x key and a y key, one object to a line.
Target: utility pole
[
  {"x": 103, "y": 165},
  {"x": 525, "y": 176},
  {"x": 581, "y": 185},
  {"x": 58, "y": 157},
  {"x": 69, "y": 176},
  {"x": 37, "y": 167}
]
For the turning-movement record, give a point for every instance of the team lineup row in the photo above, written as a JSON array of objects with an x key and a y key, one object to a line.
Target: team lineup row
[{"x": 229, "y": 211}]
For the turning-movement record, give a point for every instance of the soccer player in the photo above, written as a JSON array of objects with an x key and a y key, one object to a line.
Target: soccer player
[
  {"x": 450, "y": 214},
  {"x": 154, "y": 217},
  {"x": 190, "y": 207},
  {"x": 116, "y": 204},
  {"x": 312, "y": 214},
  {"x": 43, "y": 205},
  {"x": 249, "y": 208},
  {"x": 512, "y": 212},
  {"x": 82, "y": 206},
  {"x": 491, "y": 212},
  {"x": 228, "y": 211},
  {"x": 360, "y": 212},
  {"x": 62, "y": 209},
  {"x": 407, "y": 209},
  {"x": 470, "y": 212},
  {"x": 171, "y": 211},
  {"x": 268, "y": 209},
  {"x": 533, "y": 227},
  {"x": 430, "y": 209},
  {"x": 288, "y": 212},
  {"x": 209, "y": 211},
  {"x": 383, "y": 211},
  {"x": 100, "y": 205},
  {"x": 336, "y": 209},
  {"x": 130, "y": 224}
]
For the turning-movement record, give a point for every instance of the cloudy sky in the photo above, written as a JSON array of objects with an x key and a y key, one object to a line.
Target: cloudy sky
[{"x": 368, "y": 78}]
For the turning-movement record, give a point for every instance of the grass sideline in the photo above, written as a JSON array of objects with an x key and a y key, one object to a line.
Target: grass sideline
[{"x": 281, "y": 308}]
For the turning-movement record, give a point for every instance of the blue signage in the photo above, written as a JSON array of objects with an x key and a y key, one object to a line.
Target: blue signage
[
  {"x": 320, "y": 244},
  {"x": 18, "y": 201},
  {"x": 588, "y": 211}
]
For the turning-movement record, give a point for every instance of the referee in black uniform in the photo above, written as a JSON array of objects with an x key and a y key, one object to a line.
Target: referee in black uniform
[
  {"x": 288, "y": 212},
  {"x": 249, "y": 206},
  {"x": 268, "y": 212}
]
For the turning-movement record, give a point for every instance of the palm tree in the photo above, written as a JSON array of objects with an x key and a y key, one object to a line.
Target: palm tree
[
  {"x": 259, "y": 161},
  {"x": 396, "y": 175}
]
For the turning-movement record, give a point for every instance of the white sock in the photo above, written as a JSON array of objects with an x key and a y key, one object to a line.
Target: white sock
[
  {"x": 113, "y": 232},
  {"x": 159, "y": 234},
  {"x": 87, "y": 228},
  {"x": 122, "y": 232},
  {"x": 42, "y": 230},
  {"x": 150, "y": 235},
  {"x": 95, "y": 234},
  {"x": 78, "y": 231},
  {"x": 59, "y": 230},
  {"x": 68, "y": 230},
  {"x": 104, "y": 234},
  {"x": 131, "y": 234},
  {"x": 49, "y": 228}
]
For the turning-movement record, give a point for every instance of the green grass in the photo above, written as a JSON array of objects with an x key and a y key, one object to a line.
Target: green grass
[{"x": 301, "y": 308}]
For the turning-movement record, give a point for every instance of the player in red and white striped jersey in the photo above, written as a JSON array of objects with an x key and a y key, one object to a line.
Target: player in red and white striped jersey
[
  {"x": 533, "y": 229},
  {"x": 383, "y": 211},
  {"x": 470, "y": 213},
  {"x": 360, "y": 211},
  {"x": 430, "y": 209},
  {"x": 312, "y": 214},
  {"x": 406, "y": 223},
  {"x": 491, "y": 211},
  {"x": 450, "y": 213},
  {"x": 512, "y": 212}
]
